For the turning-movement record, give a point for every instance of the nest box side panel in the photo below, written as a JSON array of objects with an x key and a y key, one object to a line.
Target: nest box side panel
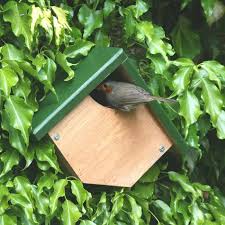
[
  {"x": 131, "y": 69},
  {"x": 107, "y": 147},
  {"x": 99, "y": 63}
]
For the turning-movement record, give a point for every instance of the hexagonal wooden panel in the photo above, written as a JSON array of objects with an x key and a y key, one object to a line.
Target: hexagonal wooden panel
[{"x": 108, "y": 147}]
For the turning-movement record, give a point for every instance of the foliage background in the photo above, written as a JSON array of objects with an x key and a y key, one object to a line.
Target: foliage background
[{"x": 180, "y": 49}]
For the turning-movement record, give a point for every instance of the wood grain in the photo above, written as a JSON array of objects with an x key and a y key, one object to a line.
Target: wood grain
[{"x": 107, "y": 147}]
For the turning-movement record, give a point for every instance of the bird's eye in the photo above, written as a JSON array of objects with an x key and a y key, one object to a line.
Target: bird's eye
[{"x": 105, "y": 85}]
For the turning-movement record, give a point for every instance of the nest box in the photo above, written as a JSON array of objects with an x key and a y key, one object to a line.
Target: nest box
[{"x": 98, "y": 144}]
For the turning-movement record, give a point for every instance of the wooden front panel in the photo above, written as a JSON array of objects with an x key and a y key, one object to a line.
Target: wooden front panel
[{"x": 108, "y": 147}]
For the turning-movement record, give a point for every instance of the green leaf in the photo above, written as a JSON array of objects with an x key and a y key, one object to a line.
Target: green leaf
[
  {"x": 183, "y": 62},
  {"x": 20, "y": 115},
  {"x": 136, "y": 211},
  {"x": 66, "y": 66},
  {"x": 8, "y": 79},
  {"x": 16, "y": 14},
  {"x": 45, "y": 153},
  {"x": 4, "y": 198},
  {"x": 23, "y": 187},
  {"x": 87, "y": 222},
  {"x": 90, "y": 19},
  {"x": 182, "y": 79},
  {"x": 71, "y": 213},
  {"x": 8, "y": 220},
  {"x": 185, "y": 41},
  {"x": 59, "y": 191},
  {"x": 151, "y": 175},
  {"x": 184, "y": 182},
  {"x": 10, "y": 52},
  {"x": 118, "y": 202},
  {"x": 164, "y": 211},
  {"x": 217, "y": 13},
  {"x": 141, "y": 8},
  {"x": 25, "y": 205},
  {"x": 60, "y": 24},
  {"x": 192, "y": 137},
  {"x": 9, "y": 158},
  {"x": 215, "y": 71},
  {"x": 220, "y": 125},
  {"x": 102, "y": 39},
  {"x": 208, "y": 6},
  {"x": 109, "y": 6},
  {"x": 184, "y": 3},
  {"x": 23, "y": 88},
  {"x": 189, "y": 108},
  {"x": 46, "y": 181},
  {"x": 42, "y": 202},
  {"x": 212, "y": 98},
  {"x": 79, "y": 191},
  {"x": 81, "y": 47},
  {"x": 46, "y": 75},
  {"x": 144, "y": 190},
  {"x": 197, "y": 215}
]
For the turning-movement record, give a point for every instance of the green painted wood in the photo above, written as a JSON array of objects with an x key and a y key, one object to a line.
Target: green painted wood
[
  {"x": 99, "y": 63},
  {"x": 132, "y": 69}
]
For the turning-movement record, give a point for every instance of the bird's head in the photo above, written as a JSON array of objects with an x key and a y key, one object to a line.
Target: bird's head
[{"x": 105, "y": 87}]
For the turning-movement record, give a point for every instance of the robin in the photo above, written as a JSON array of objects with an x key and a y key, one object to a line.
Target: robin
[{"x": 125, "y": 96}]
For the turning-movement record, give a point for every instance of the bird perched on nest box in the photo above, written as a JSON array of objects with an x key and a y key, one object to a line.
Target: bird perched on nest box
[{"x": 125, "y": 96}]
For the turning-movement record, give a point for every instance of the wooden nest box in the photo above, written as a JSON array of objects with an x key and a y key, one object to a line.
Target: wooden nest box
[{"x": 101, "y": 145}]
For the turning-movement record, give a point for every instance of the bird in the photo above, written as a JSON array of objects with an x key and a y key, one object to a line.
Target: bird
[{"x": 125, "y": 96}]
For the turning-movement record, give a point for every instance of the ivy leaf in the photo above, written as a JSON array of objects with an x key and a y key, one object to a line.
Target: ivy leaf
[
  {"x": 184, "y": 3},
  {"x": 66, "y": 66},
  {"x": 46, "y": 181},
  {"x": 81, "y": 47},
  {"x": 136, "y": 211},
  {"x": 60, "y": 24},
  {"x": 8, "y": 79},
  {"x": 8, "y": 220},
  {"x": 9, "y": 158},
  {"x": 215, "y": 71},
  {"x": 90, "y": 19},
  {"x": 16, "y": 140},
  {"x": 220, "y": 125},
  {"x": 218, "y": 12},
  {"x": 183, "y": 62},
  {"x": 79, "y": 191},
  {"x": 16, "y": 14},
  {"x": 41, "y": 201},
  {"x": 192, "y": 136},
  {"x": 164, "y": 211},
  {"x": 45, "y": 153},
  {"x": 118, "y": 203},
  {"x": 144, "y": 190},
  {"x": 59, "y": 191},
  {"x": 71, "y": 213},
  {"x": 102, "y": 39},
  {"x": 109, "y": 6},
  {"x": 185, "y": 41},
  {"x": 4, "y": 198},
  {"x": 10, "y": 52},
  {"x": 23, "y": 88},
  {"x": 208, "y": 6},
  {"x": 141, "y": 8},
  {"x": 189, "y": 108},
  {"x": 23, "y": 187},
  {"x": 25, "y": 205},
  {"x": 20, "y": 115},
  {"x": 47, "y": 75},
  {"x": 212, "y": 98},
  {"x": 197, "y": 214},
  {"x": 182, "y": 78},
  {"x": 87, "y": 222},
  {"x": 183, "y": 181}
]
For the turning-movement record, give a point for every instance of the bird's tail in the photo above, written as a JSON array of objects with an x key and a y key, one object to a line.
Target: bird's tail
[{"x": 161, "y": 99}]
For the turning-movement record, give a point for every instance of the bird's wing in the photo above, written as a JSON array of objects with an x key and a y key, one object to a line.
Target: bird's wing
[{"x": 130, "y": 94}]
